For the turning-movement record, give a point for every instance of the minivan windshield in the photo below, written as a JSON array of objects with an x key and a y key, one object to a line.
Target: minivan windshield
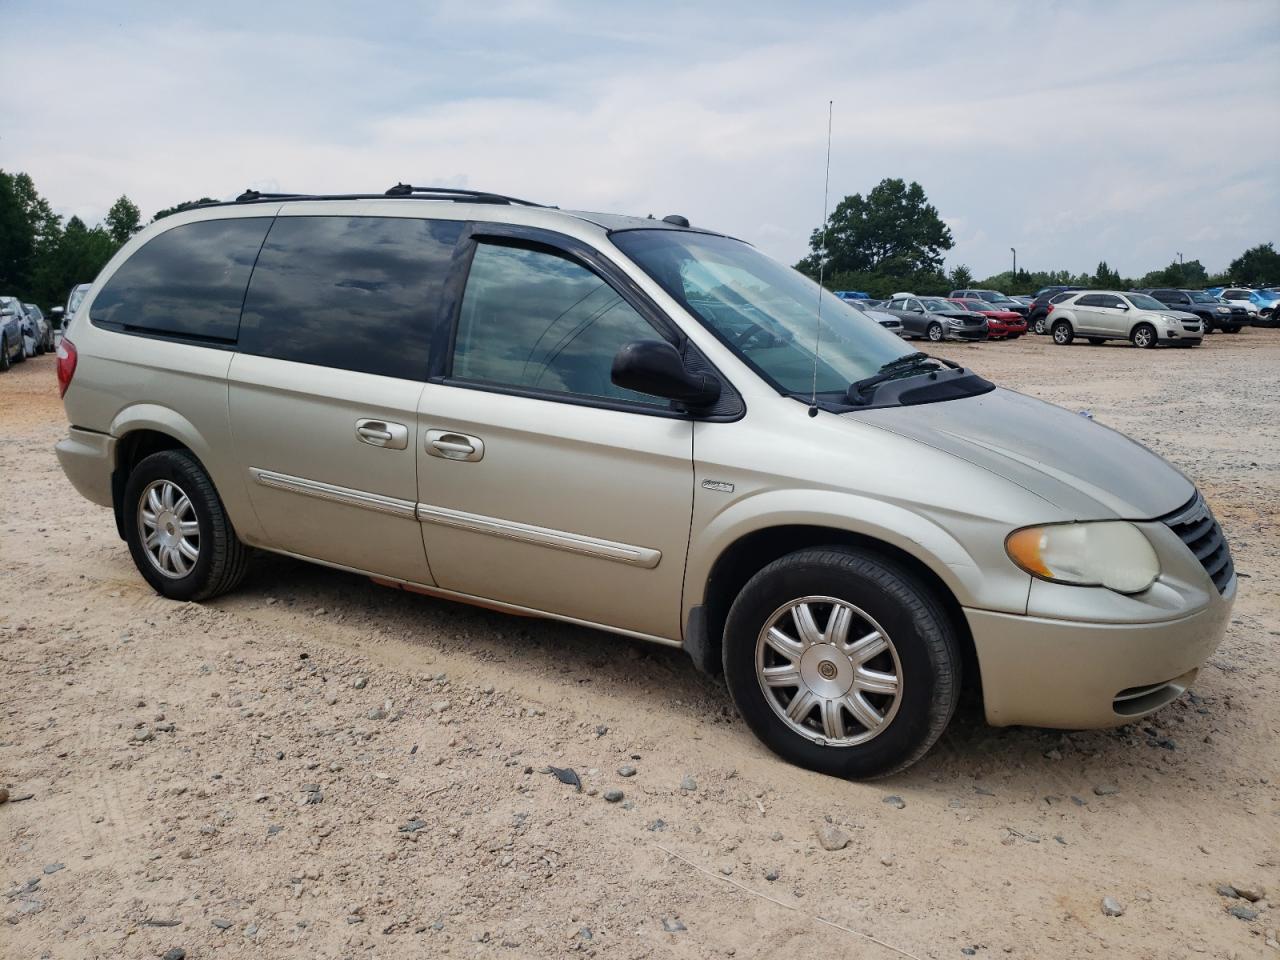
[{"x": 765, "y": 312}]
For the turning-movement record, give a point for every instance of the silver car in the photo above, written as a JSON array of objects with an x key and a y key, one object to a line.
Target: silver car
[
  {"x": 12, "y": 332},
  {"x": 1101, "y": 315},
  {"x": 644, "y": 427}
]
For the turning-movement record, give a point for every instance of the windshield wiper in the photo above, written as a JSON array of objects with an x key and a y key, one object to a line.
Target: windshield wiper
[{"x": 860, "y": 390}]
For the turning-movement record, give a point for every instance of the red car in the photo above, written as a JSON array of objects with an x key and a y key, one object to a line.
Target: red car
[{"x": 1000, "y": 323}]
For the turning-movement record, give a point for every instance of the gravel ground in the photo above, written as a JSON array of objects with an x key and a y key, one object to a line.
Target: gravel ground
[{"x": 315, "y": 766}]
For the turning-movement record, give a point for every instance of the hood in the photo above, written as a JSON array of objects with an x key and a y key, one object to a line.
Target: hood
[{"x": 1089, "y": 471}]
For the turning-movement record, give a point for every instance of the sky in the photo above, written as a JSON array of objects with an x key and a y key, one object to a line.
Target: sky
[{"x": 1072, "y": 131}]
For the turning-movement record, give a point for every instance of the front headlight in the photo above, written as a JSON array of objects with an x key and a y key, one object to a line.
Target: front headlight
[
  {"x": 1223, "y": 309},
  {"x": 1111, "y": 553}
]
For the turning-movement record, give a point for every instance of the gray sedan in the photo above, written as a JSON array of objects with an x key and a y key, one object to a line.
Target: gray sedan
[{"x": 936, "y": 319}]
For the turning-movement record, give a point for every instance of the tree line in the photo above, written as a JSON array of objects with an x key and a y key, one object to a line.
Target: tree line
[
  {"x": 893, "y": 239},
  {"x": 42, "y": 258}
]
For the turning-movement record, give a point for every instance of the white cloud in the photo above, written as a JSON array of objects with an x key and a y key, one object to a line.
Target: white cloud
[{"x": 1075, "y": 132}]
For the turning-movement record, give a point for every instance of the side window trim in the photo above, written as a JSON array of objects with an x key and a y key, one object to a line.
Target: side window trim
[{"x": 587, "y": 257}]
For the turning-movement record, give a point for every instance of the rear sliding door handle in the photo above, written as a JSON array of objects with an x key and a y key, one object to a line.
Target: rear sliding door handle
[
  {"x": 380, "y": 433},
  {"x": 454, "y": 446}
]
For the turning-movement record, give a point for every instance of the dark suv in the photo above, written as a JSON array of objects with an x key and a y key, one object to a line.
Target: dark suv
[
  {"x": 1216, "y": 314},
  {"x": 1042, "y": 306}
]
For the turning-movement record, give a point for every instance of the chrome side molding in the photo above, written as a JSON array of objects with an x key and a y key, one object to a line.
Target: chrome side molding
[
  {"x": 335, "y": 494},
  {"x": 644, "y": 557}
]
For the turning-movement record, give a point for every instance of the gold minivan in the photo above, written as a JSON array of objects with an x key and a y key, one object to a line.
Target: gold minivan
[{"x": 641, "y": 426}]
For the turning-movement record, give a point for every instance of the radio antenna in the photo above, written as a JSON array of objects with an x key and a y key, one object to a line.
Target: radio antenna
[{"x": 822, "y": 264}]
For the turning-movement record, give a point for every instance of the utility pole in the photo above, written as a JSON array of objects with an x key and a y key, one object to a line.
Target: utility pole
[{"x": 1015, "y": 264}]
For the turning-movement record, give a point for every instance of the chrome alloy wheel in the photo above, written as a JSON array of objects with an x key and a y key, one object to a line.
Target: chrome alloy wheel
[
  {"x": 829, "y": 671},
  {"x": 168, "y": 528}
]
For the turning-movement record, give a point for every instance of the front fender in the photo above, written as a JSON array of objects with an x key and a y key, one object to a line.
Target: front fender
[{"x": 985, "y": 580}]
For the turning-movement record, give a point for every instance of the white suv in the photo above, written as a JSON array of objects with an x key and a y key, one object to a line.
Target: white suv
[{"x": 1100, "y": 315}]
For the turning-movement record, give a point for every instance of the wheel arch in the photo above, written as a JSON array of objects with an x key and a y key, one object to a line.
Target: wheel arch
[{"x": 751, "y": 551}]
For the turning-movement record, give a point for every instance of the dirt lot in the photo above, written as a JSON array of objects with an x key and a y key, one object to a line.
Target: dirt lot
[{"x": 319, "y": 767}]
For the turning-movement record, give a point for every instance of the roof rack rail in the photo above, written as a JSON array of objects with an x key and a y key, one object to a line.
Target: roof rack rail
[
  {"x": 399, "y": 190},
  {"x": 450, "y": 193}
]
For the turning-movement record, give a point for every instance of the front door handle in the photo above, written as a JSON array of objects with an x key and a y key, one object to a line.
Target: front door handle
[
  {"x": 454, "y": 446},
  {"x": 381, "y": 433}
]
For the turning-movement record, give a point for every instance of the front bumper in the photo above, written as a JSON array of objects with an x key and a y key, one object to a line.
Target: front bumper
[
  {"x": 1045, "y": 672},
  {"x": 88, "y": 458}
]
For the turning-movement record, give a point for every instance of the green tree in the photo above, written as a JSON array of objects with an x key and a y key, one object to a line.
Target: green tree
[
  {"x": 893, "y": 232},
  {"x": 185, "y": 205},
  {"x": 961, "y": 278},
  {"x": 124, "y": 219},
  {"x": 1107, "y": 278},
  {"x": 1256, "y": 266},
  {"x": 17, "y": 238}
]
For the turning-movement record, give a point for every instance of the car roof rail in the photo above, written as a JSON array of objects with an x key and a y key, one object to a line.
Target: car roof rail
[
  {"x": 451, "y": 193},
  {"x": 399, "y": 190}
]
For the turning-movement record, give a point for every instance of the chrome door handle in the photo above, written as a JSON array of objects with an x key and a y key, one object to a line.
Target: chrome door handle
[
  {"x": 454, "y": 446},
  {"x": 380, "y": 433}
]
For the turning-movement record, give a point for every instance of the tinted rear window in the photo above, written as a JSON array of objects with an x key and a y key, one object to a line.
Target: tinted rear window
[
  {"x": 358, "y": 293},
  {"x": 186, "y": 282}
]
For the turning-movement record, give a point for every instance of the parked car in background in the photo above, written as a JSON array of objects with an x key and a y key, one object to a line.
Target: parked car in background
[
  {"x": 993, "y": 297},
  {"x": 1214, "y": 312},
  {"x": 936, "y": 318},
  {"x": 1001, "y": 324},
  {"x": 1100, "y": 315},
  {"x": 42, "y": 328},
  {"x": 1257, "y": 304},
  {"x": 886, "y": 320},
  {"x": 1042, "y": 305},
  {"x": 1022, "y": 298},
  {"x": 856, "y": 526},
  {"x": 853, "y": 294},
  {"x": 11, "y": 346},
  {"x": 73, "y": 302}
]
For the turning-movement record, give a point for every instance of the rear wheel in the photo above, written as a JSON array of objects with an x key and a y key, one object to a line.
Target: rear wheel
[
  {"x": 1233, "y": 329},
  {"x": 842, "y": 662},
  {"x": 1062, "y": 333},
  {"x": 934, "y": 332},
  {"x": 178, "y": 532},
  {"x": 5, "y": 363},
  {"x": 1039, "y": 325},
  {"x": 1144, "y": 336}
]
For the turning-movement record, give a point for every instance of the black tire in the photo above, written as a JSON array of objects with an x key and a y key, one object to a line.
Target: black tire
[
  {"x": 5, "y": 362},
  {"x": 934, "y": 332},
  {"x": 1097, "y": 341},
  {"x": 1233, "y": 329},
  {"x": 1144, "y": 336},
  {"x": 909, "y": 614},
  {"x": 1062, "y": 333},
  {"x": 222, "y": 559}
]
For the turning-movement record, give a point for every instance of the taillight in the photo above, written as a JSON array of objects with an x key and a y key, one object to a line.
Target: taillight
[
  {"x": 1048, "y": 310},
  {"x": 66, "y": 365}
]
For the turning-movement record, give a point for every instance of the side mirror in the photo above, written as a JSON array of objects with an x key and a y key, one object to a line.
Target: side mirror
[
  {"x": 655, "y": 367},
  {"x": 56, "y": 311},
  {"x": 1124, "y": 306}
]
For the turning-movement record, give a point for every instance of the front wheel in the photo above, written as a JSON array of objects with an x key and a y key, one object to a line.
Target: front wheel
[
  {"x": 842, "y": 662},
  {"x": 1233, "y": 329},
  {"x": 1062, "y": 333},
  {"x": 935, "y": 332},
  {"x": 178, "y": 532},
  {"x": 5, "y": 362},
  {"x": 1039, "y": 327},
  {"x": 1144, "y": 336}
]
